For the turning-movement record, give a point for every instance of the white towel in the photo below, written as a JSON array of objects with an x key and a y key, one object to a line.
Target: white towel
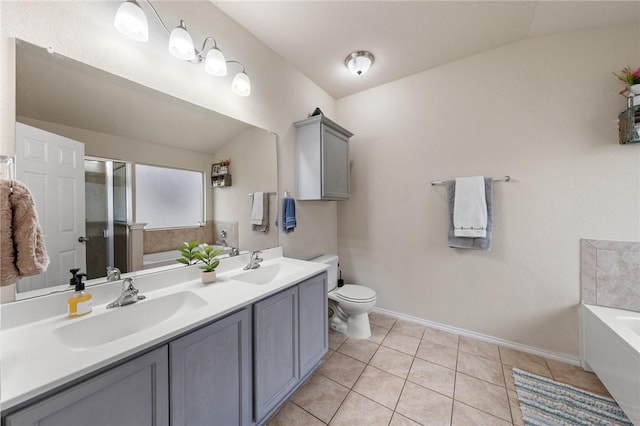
[
  {"x": 470, "y": 208},
  {"x": 257, "y": 210}
]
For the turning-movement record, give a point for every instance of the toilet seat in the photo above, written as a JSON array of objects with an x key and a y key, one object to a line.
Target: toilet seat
[{"x": 355, "y": 293}]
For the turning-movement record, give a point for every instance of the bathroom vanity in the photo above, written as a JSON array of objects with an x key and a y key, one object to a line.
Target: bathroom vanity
[{"x": 190, "y": 354}]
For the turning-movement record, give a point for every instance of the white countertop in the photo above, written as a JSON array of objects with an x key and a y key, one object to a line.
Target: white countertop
[{"x": 34, "y": 360}]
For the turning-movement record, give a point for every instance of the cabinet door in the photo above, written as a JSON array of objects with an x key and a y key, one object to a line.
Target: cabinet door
[
  {"x": 134, "y": 393},
  {"x": 335, "y": 164},
  {"x": 211, "y": 374},
  {"x": 275, "y": 325},
  {"x": 312, "y": 295}
]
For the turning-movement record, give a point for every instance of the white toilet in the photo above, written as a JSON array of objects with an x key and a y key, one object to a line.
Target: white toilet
[{"x": 351, "y": 303}]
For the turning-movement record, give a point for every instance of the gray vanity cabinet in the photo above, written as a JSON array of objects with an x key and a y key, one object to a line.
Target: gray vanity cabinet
[
  {"x": 313, "y": 322},
  {"x": 322, "y": 152},
  {"x": 275, "y": 350},
  {"x": 290, "y": 337},
  {"x": 211, "y": 374},
  {"x": 134, "y": 393}
]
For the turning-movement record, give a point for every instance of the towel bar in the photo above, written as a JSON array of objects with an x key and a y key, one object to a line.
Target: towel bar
[
  {"x": 268, "y": 193},
  {"x": 443, "y": 182}
]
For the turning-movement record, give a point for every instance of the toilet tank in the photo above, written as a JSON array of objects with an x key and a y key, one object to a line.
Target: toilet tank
[{"x": 332, "y": 272}]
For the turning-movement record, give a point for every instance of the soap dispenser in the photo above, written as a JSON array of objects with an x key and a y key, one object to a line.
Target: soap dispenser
[{"x": 80, "y": 302}]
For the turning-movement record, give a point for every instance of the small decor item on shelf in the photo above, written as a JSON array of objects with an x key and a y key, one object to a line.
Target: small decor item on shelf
[
  {"x": 629, "y": 125},
  {"x": 220, "y": 175},
  {"x": 631, "y": 79}
]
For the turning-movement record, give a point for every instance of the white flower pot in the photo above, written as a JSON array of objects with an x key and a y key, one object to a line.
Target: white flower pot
[
  {"x": 635, "y": 89},
  {"x": 208, "y": 277}
]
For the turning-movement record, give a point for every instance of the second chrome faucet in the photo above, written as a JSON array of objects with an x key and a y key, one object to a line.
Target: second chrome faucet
[{"x": 254, "y": 261}]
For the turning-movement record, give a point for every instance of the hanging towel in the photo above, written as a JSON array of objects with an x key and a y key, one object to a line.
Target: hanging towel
[
  {"x": 289, "y": 215},
  {"x": 260, "y": 218},
  {"x": 470, "y": 208},
  {"x": 477, "y": 243},
  {"x": 257, "y": 209},
  {"x": 21, "y": 240}
]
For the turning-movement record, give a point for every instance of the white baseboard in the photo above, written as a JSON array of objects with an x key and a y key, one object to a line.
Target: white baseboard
[{"x": 569, "y": 359}]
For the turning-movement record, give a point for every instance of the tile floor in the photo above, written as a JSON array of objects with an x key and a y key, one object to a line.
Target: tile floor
[{"x": 409, "y": 374}]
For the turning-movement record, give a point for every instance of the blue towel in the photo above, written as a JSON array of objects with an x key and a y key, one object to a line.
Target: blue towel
[
  {"x": 471, "y": 243},
  {"x": 288, "y": 215}
]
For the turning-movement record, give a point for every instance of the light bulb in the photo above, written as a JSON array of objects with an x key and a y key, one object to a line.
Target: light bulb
[
  {"x": 241, "y": 85},
  {"x": 181, "y": 43},
  {"x": 215, "y": 63},
  {"x": 131, "y": 21}
]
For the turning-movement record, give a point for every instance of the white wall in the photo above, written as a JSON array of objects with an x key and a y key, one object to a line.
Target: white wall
[
  {"x": 542, "y": 110},
  {"x": 280, "y": 94}
]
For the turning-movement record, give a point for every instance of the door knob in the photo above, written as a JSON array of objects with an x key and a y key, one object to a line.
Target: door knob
[{"x": 83, "y": 239}]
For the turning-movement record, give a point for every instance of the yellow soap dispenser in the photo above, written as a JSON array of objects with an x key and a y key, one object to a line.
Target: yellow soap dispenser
[{"x": 79, "y": 303}]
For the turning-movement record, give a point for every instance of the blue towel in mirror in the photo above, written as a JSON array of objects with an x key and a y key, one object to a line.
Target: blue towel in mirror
[{"x": 288, "y": 214}]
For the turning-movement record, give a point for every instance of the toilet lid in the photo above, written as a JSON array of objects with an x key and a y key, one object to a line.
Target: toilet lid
[{"x": 355, "y": 293}]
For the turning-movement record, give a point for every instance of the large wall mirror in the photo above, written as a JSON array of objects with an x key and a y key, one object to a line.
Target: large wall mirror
[{"x": 71, "y": 115}]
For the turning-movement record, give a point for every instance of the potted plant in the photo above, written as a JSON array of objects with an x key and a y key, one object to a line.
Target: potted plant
[
  {"x": 631, "y": 79},
  {"x": 188, "y": 252},
  {"x": 209, "y": 258}
]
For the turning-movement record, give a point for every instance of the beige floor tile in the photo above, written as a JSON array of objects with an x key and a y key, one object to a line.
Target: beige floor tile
[
  {"x": 392, "y": 361},
  {"x": 400, "y": 420},
  {"x": 464, "y": 415},
  {"x": 320, "y": 396},
  {"x": 480, "y": 348},
  {"x": 378, "y": 333},
  {"x": 432, "y": 376},
  {"x": 380, "y": 386},
  {"x": 508, "y": 377},
  {"x": 441, "y": 337},
  {"x": 409, "y": 328},
  {"x": 424, "y": 406},
  {"x": 524, "y": 361},
  {"x": 516, "y": 413},
  {"x": 401, "y": 342},
  {"x": 358, "y": 410},
  {"x": 482, "y": 395},
  {"x": 362, "y": 350},
  {"x": 336, "y": 339},
  {"x": 326, "y": 356},
  {"x": 481, "y": 368},
  {"x": 342, "y": 369},
  {"x": 575, "y": 376},
  {"x": 381, "y": 320},
  {"x": 435, "y": 352},
  {"x": 292, "y": 415}
]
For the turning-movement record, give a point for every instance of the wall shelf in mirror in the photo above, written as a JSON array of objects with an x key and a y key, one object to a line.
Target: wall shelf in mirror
[{"x": 221, "y": 174}]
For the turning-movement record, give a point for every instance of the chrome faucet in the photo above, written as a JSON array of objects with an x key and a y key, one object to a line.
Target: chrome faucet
[
  {"x": 128, "y": 296},
  {"x": 254, "y": 261},
  {"x": 113, "y": 274}
]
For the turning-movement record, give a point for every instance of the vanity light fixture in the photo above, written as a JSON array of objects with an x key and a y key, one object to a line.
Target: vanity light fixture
[
  {"x": 359, "y": 62},
  {"x": 131, "y": 21}
]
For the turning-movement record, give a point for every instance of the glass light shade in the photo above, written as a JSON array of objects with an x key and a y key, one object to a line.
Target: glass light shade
[
  {"x": 181, "y": 43},
  {"x": 241, "y": 85},
  {"x": 131, "y": 21},
  {"x": 359, "y": 62},
  {"x": 215, "y": 63}
]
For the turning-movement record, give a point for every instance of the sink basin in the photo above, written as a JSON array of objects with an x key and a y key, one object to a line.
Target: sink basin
[
  {"x": 267, "y": 274},
  {"x": 120, "y": 322}
]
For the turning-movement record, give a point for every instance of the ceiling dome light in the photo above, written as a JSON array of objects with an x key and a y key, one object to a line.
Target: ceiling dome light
[
  {"x": 241, "y": 85},
  {"x": 359, "y": 62},
  {"x": 215, "y": 63},
  {"x": 181, "y": 43},
  {"x": 131, "y": 21}
]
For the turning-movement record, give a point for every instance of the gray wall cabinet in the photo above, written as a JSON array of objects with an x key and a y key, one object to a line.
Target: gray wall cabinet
[
  {"x": 134, "y": 393},
  {"x": 290, "y": 337},
  {"x": 211, "y": 374},
  {"x": 322, "y": 155}
]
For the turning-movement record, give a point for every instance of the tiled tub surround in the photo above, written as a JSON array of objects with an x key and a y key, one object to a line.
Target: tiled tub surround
[
  {"x": 409, "y": 374},
  {"x": 610, "y": 273},
  {"x": 168, "y": 239}
]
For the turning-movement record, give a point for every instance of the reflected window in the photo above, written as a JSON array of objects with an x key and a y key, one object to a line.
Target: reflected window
[{"x": 169, "y": 198}]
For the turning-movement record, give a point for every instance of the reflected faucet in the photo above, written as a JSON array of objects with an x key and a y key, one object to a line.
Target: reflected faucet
[
  {"x": 128, "y": 296},
  {"x": 254, "y": 261},
  {"x": 113, "y": 274},
  {"x": 223, "y": 241}
]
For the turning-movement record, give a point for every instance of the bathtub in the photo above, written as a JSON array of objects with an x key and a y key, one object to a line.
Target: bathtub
[
  {"x": 610, "y": 346},
  {"x": 164, "y": 258}
]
